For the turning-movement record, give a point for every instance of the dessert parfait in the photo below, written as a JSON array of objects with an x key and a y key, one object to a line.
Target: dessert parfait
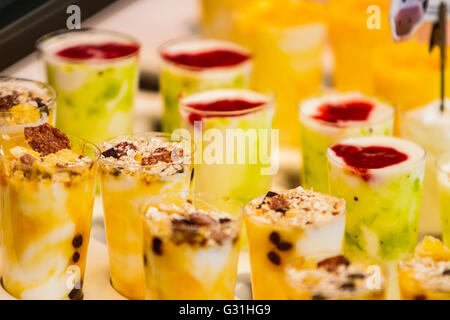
[
  {"x": 380, "y": 179},
  {"x": 24, "y": 103},
  {"x": 285, "y": 226},
  {"x": 95, "y": 73},
  {"x": 194, "y": 64},
  {"x": 426, "y": 276},
  {"x": 132, "y": 168},
  {"x": 191, "y": 247},
  {"x": 48, "y": 187},
  {"x": 237, "y": 124},
  {"x": 331, "y": 118},
  {"x": 334, "y": 278}
]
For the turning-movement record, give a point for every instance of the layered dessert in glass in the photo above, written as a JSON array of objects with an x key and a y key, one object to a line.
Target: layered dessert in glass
[
  {"x": 334, "y": 278},
  {"x": 430, "y": 128},
  {"x": 426, "y": 276},
  {"x": 133, "y": 168},
  {"x": 444, "y": 196},
  {"x": 283, "y": 227},
  {"x": 192, "y": 65},
  {"x": 237, "y": 125},
  {"x": 288, "y": 38},
  {"x": 380, "y": 179},
  {"x": 191, "y": 247},
  {"x": 48, "y": 188},
  {"x": 95, "y": 73},
  {"x": 328, "y": 119},
  {"x": 24, "y": 103}
]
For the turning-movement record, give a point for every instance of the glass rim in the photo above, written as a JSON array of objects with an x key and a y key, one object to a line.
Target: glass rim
[
  {"x": 196, "y": 196},
  {"x": 347, "y": 124},
  {"x": 151, "y": 134},
  {"x": 50, "y": 92},
  {"x": 186, "y": 38},
  {"x": 269, "y": 104},
  {"x": 332, "y": 158},
  {"x": 84, "y": 142},
  {"x": 63, "y": 32}
]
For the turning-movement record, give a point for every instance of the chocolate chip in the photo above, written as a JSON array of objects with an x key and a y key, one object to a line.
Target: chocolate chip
[
  {"x": 27, "y": 159},
  {"x": 284, "y": 246},
  {"x": 115, "y": 172},
  {"x": 157, "y": 246},
  {"x": 331, "y": 264},
  {"x": 356, "y": 276},
  {"x": 318, "y": 296},
  {"x": 420, "y": 297},
  {"x": 76, "y": 257},
  {"x": 274, "y": 258},
  {"x": 110, "y": 153},
  {"x": 145, "y": 260},
  {"x": 446, "y": 272},
  {"x": 271, "y": 194},
  {"x": 122, "y": 148},
  {"x": 77, "y": 241},
  {"x": 46, "y": 139},
  {"x": 275, "y": 238},
  {"x": 224, "y": 220},
  {"x": 349, "y": 286}
]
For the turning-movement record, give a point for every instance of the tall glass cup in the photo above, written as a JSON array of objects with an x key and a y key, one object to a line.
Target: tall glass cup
[
  {"x": 125, "y": 185},
  {"x": 192, "y": 65},
  {"x": 380, "y": 179},
  {"x": 46, "y": 219},
  {"x": 444, "y": 195},
  {"x": 191, "y": 246},
  {"x": 95, "y": 73},
  {"x": 232, "y": 134}
]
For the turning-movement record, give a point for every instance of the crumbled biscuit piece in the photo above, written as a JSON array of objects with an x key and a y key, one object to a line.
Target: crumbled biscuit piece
[
  {"x": 46, "y": 139},
  {"x": 8, "y": 101}
]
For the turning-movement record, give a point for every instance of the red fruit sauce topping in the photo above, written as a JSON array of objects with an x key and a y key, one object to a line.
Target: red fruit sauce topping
[
  {"x": 208, "y": 59},
  {"x": 370, "y": 157},
  {"x": 103, "y": 51},
  {"x": 345, "y": 111},
  {"x": 223, "y": 105}
]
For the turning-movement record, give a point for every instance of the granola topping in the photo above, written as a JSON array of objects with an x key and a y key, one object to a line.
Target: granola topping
[
  {"x": 23, "y": 104},
  {"x": 191, "y": 225},
  {"x": 154, "y": 155},
  {"x": 432, "y": 274},
  {"x": 342, "y": 281},
  {"x": 296, "y": 207}
]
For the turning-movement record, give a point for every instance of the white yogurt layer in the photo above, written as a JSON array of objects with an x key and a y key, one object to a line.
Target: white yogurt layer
[
  {"x": 309, "y": 108},
  {"x": 225, "y": 94},
  {"x": 198, "y": 45}
]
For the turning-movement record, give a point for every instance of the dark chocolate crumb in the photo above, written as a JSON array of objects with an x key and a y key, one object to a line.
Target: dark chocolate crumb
[
  {"x": 224, "y": 220},
  {"x": 157, "y": 246},
  {"x": 356, "y": 276},
  {"x": 110, "y": 153},
  {"x": 284, "y": 246},
  {"x": 446, "y": 272},
  {"x": 274, "y": 258},
  {"x": 271, "y": 194},
  {"x": 76, "y": 257},
  {"x": 76, "y": 293},
  {"x": 349, "y": 286},
  {"x": 275, "y": 238},
  {"x": 318, "y": 296},
  {"x": 77, "y": 241}
]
